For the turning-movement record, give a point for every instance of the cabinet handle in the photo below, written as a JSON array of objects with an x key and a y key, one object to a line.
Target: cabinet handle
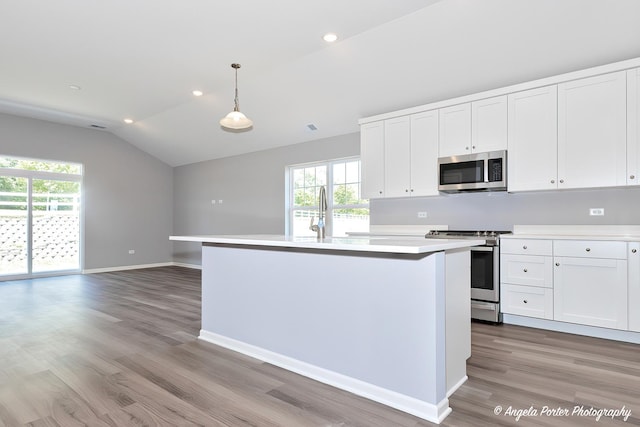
[
  {"x": 380, "y": 192},
  {"x": 633, "y": 251},
  {"x": 473, "y": 147},
  {"x": 466, "y": 148},
  {"x": 562, "y": 181},
  {"x": 406, "y": 190},
  {"x": 553, "y": 181},
  {"x": 632, "y": 177},
  {"x": 524, "y": 247},
  {"x": 588, "y": 249},
  {"x": 525, "y": 301},
  {"x": 557, "y": 264},
  {"x": 525, "y": 270},
  {"x": 412, "y": 190}
]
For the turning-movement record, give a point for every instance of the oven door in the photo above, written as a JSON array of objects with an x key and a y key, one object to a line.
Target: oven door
[{"x": 485, "y": 268}]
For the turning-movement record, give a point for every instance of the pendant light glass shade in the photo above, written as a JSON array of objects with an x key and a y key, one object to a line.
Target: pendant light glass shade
[{"x": 235, "y": 119}]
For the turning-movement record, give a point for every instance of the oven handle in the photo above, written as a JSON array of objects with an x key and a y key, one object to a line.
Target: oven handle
[{"x": 482, "y": 248}]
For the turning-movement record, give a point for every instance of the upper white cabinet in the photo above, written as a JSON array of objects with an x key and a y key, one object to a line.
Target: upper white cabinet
[
  {"x": 372, "y": 159},
  {"x": 424, "y": 154},
  {"x": 455, "y": 130},
  {"x": 533, "y": 139},
  {"x": 633, "y": 127},
  {"x": 592, "y": 140},
  {"x": 474, "y": 127},
  {"x": 399, "y": 156},
  {"x": 489, "y": 124},
  {"x": 397, "y": 152}
]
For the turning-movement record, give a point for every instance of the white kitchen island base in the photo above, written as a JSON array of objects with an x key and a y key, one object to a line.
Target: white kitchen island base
[{"x": 391, "y": 327}]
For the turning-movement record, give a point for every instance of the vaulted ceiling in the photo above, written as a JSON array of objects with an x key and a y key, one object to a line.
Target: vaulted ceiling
[{"x": 94, "y": 62}]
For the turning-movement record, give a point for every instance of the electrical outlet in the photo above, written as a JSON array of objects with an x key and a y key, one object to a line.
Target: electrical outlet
[
  {"x": 422, "y": 214},
  {"x": 596, "y": 211},
  {"x": 132, "y": 251}
]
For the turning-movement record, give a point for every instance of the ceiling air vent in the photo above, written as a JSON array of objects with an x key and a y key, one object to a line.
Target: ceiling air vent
[
  {"x": 97, "y": 126},
  {"x": 311, "y": 127}
]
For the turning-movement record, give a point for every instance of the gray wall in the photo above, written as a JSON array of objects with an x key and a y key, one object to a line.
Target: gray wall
[
  {"x": 128, "y": 194},
  {"x": 251, "y": 186},
  {"x": 501, "y": 211}
]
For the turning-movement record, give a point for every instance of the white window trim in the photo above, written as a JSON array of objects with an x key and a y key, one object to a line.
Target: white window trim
[{"x": 289, "y": 209}]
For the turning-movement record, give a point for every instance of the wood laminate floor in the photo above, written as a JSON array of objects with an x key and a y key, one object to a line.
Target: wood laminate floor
[{"x": 120, "y": 349}]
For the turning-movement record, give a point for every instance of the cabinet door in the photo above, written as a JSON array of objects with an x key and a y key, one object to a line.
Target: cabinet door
[
  {"x": 489, "y": 124},
  {"x": 455, "y": 130},
  {"x": 633, "y": 127},
  {"x": 590, "y": 291},
  {"x": 532, "y": 156},
  {"x": 424, "y": 154},
  {"x": 634, "y": 286},
  {"x": 372, "y": 159},
  {"x": 592, "y": 142},
  {"x": 397, "y": 152}
]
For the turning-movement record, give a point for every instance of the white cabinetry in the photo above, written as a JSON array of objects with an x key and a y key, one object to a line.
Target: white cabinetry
[
  {"x": 399, "y": 156},
  {"x": 474, "y": 127},
  {"x": 372, "y": 159},
  {"x": 590, "y": 283},
  {"x": 533, "y": 139},
  {"x": 455, "y": 130},
  {"x": 489, "y": 124},
  {"x": 592, "y": 131},
  {"x": 397, "y": 153},
  {"x": 634, "y": 286},
  {"x": 423, "y": 161},
  {"x": 633, "y": 127},
  {"x": 526, "y": 278}
]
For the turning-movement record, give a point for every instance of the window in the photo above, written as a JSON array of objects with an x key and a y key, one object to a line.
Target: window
[
  {"x": 346, "y": 210},
  {"x": 39, "y": 216}
]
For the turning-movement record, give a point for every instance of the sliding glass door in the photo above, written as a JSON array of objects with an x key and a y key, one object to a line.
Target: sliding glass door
[
  {"x": 40, "y": 217},
  {"x": 14, "y": 226}
]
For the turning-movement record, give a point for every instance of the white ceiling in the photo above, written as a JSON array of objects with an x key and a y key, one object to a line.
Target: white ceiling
[{"x": 142, "y": 58}]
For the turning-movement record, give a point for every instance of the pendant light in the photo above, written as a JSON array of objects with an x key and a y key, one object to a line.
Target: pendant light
[{"x": 235, "y": 119}]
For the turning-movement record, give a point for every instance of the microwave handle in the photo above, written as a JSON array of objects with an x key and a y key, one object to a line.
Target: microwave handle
[{"x": 486, "y": 170}]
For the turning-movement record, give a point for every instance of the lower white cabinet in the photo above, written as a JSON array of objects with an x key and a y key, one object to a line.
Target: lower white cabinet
[
  {"x": 634, "y": 286},
  {"x": 529, "y": 301},
  {"x": 587, "y": 282},
  {"x": 591, "y": 291}
]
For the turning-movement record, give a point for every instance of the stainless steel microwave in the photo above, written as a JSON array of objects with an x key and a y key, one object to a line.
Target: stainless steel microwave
[{"x": 473, "y": 172}]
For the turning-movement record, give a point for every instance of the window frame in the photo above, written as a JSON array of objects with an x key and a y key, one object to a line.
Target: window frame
[{"x": 290, "y": 207}]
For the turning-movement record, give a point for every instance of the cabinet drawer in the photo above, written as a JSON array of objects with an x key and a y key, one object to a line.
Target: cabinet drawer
[
  {"x": 527, "y": 301},
  {"x": 590, "y": 249},
  {"x": 526, "y": 247},
  {"x": 529, "y": 270}
]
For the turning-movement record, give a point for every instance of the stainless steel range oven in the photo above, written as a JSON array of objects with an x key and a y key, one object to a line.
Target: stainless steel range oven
[{"x": 485, "y": 272}]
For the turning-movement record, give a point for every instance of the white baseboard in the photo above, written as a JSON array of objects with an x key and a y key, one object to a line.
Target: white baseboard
[
  {"x": 182, "y": 264},
  {"x": 126, "y": 267},
  {"x": 139, "y": 266},
  {"x": 431, "y": 412},
  {"x": 457, "y": 386},
  {"x": 571, "y": 328}
]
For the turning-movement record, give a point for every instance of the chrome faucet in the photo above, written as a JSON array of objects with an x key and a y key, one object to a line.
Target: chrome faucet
[{"x": 320, "y": 227}]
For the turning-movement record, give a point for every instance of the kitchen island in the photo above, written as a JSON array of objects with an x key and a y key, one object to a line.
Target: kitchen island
[{"x": 384, "y": 318}]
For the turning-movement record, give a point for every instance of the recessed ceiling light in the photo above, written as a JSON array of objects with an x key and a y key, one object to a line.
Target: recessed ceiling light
[
  {"x": 197, "y": 93},
  {"x": 330, "y": 37},
  {"x": 75, "y": 87},
  {"x": 128, "y": 121}
]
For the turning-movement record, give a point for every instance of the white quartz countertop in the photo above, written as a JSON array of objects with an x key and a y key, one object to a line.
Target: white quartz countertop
[
  {"x": 624, "y": 233},
  {"x": 388, "y": 244}
]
